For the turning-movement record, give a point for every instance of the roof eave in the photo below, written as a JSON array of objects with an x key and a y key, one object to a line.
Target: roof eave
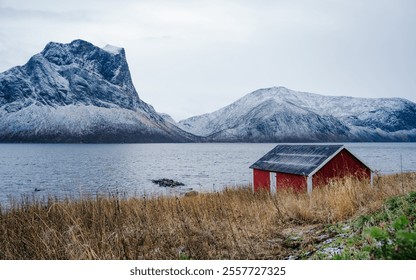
[{"x": 278, "y": 171}]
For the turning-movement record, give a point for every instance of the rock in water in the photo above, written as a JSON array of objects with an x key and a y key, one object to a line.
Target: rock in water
[
  {"x": 168, "y": 183},
  {"x": 78, "y": 92}
]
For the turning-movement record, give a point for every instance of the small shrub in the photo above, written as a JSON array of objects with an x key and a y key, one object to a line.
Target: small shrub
[
  {"x": 397, "y": 240},
  {"x": 396, "y": 243},
  {"x": 389, "y": 233}
]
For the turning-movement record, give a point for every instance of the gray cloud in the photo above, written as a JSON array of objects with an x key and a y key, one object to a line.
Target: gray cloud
[{"x": 12, "y": 14}]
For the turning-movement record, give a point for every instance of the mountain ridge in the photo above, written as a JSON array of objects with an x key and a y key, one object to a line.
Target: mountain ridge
[
  {"x": 279, "y": 114},
  {"x": 78, "y": 92}
]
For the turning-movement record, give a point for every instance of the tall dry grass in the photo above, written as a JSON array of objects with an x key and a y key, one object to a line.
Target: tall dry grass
[{"x": 233, "y": 224}]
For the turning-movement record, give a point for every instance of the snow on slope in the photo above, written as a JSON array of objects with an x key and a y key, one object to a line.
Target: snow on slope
[
  {"x": 78, "y": 92},
  {"x": 113, "y": 49},
  {"x": 279, "y": 114}
]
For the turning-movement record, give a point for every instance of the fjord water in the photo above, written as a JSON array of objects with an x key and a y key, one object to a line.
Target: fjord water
[{"x": 61, "y": 170}]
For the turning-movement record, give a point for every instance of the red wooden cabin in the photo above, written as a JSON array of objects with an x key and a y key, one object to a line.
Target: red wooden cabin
[{"x": 302, "y": 166}]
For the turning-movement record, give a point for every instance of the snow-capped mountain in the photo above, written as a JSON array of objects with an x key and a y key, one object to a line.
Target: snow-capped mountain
[
  {"x": 78, "y": 92},
  {"x": 279, "y": 114}
]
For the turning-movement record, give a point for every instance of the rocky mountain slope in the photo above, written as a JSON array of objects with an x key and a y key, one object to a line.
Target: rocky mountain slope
[
  {"x": 78, "y": 92},
  {"x": 279, "y": 114}
]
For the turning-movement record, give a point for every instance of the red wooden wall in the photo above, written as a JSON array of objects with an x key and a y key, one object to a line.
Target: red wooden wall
[
  {"x": 343, "y": 164},
  {"x": 296, "y": 182},
  {"x": 261, "y": 180}
]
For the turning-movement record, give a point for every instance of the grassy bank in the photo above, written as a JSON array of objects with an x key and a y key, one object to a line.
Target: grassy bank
[{"x": 233, "y": 224}]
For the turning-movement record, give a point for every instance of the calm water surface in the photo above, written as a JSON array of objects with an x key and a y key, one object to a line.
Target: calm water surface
[{"x": 85, "y": 169}]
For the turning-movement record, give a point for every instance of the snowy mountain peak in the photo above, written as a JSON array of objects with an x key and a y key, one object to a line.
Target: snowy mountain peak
[
  {"x": 280, "y": 94},
  {"x": 79, "y": 51},
  {"x": 78, "y": 92},
  {"x": 78, "y": 72},
  {"x": 279, "y": 114}
]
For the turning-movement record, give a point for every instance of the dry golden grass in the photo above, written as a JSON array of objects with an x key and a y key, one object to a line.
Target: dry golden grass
[{"x": 233, "y": 224}]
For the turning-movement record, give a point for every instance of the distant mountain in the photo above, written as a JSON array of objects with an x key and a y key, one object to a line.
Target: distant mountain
[
  {"x": 279, "y": 114},
  {"x": 167, "y": 118},
  {"x": 78, "y": 92}
]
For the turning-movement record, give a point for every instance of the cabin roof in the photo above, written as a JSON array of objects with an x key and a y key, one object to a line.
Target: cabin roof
[{"x": 297, "y": 159}]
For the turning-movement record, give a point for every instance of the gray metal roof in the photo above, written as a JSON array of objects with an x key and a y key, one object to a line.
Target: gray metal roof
[{"x": 296, "y": 159}]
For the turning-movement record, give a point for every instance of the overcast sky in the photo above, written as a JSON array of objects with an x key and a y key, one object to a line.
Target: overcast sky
[{"x": 192, "y": 57}]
